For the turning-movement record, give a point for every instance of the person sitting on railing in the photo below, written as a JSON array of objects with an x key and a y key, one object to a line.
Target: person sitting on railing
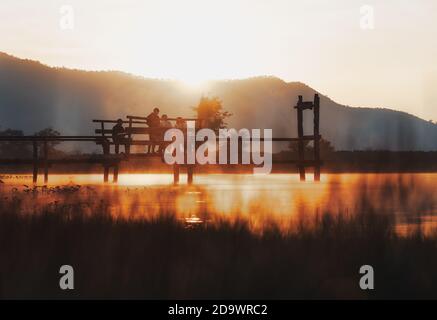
[
  {"x": 165, "y": 124},
  {"x": 119, "y": 136},
  {"x": 180, "y": 124},
  {"x": 154, "y": 122}
]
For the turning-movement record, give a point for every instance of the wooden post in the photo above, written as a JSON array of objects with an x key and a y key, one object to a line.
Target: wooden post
[
  {"x": 176, "y": 172},
  {"x": 316, "y": 138},
  {"x": 190, "y": 171},
  {"x": 105, "y": 173},
  {"x": 301, "y": 149},
  {"x": 240, "y": 150},
  {"x": 190, "y": 168},
  {"x": 105, "y": 145},
  {"x": 35, "y": 162},
  {"x": 46, "y": 162},
  {"x": 228, "y": 151},
  {"x": 129, "y": 137},
  {"x": 115, "y": 177}
]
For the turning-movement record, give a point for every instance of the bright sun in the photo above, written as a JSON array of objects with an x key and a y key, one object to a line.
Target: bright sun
[{"x": 193, "y": 82}]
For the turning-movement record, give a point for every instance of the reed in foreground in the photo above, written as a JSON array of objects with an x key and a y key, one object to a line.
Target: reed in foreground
[{"x": 162, "y": 258}]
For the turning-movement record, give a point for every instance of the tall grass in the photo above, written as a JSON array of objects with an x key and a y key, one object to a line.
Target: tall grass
[{"x": 163, "y": 257}]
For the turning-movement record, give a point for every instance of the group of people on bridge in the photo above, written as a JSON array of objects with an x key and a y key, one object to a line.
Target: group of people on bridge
[{"x": 157, "y": 124}]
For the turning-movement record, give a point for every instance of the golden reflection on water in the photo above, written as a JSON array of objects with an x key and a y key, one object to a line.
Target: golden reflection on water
[{"x": 259, "y": 199}]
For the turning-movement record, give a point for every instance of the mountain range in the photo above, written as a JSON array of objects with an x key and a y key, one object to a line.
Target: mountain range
[{"x": 34, "y": 96}]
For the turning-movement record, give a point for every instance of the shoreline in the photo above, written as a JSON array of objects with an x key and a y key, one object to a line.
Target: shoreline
[{"x": 236, "y": 170}]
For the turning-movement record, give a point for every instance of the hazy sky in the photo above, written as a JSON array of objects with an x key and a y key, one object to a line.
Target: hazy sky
[{"x": 319, "y": 42}]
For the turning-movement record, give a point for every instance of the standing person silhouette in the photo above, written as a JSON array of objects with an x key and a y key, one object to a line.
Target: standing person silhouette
[
  {"x": 154, "y": 122},
  {"x": 165, "y": 124}
]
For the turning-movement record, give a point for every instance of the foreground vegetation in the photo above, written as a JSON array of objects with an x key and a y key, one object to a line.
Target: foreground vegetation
[{"x": 162, "y": 257}]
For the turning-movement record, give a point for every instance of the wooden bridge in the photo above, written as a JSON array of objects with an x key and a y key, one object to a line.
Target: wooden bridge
[{"x": 138, "y": 126}]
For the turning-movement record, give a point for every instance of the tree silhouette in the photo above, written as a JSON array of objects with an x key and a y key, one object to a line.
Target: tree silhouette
[
  {"x": 211, "y": 113},
  {"x": 49, "y": 132},
  {"x": 14, "y": 149}
]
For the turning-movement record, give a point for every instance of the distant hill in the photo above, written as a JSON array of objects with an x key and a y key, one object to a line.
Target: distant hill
[{"x": 34, "y": 96}]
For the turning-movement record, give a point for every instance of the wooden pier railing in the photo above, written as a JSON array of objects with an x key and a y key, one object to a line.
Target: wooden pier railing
[
  {"x": 42, "y": 142},
  {"x": 138, "y": 125}
]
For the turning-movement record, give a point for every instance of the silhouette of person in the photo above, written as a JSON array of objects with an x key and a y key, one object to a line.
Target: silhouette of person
[
  {"x": 119, "y": 136},
  {"x": 180, "y": 123},
  {"x": 154, "y": 122},
  {"x": 165, "y": 124}
]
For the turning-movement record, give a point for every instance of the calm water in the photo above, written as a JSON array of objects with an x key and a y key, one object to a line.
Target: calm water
[{"x": 410, "y": 198}]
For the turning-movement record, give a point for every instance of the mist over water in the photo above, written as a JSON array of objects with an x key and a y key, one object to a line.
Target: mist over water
[{"x": 408, "y": 199}]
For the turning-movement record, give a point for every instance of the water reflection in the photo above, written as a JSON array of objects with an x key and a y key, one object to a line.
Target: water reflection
[{"x": 282, "y": 198}]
